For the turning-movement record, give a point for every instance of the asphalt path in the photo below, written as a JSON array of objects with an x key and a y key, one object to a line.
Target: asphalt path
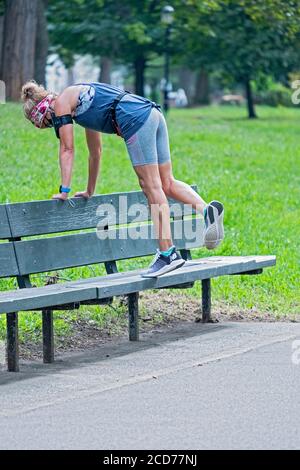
[{"x": 217, "y": 386}]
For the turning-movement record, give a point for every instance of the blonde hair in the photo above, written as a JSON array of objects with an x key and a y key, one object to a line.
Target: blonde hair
[{"x": 31, "y": 95}]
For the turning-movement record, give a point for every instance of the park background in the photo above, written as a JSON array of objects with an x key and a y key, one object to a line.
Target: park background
[{"x": 241, "y": 149}]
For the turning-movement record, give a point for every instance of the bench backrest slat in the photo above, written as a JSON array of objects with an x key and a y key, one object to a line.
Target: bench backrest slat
[
  {"x": 8, "y": 264},
  {"x": 125, "y": 236},
  {"x": 47, "y": 254},
  {"x": 46, "y": 217},
  {"x": 4, "y": 225}
]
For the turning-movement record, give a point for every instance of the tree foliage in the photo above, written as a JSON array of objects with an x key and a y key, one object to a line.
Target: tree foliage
[
  {"x": 107, "y": 27},
  {"x": 128, "y": 32},
  {"x": 244, "y": 38}
]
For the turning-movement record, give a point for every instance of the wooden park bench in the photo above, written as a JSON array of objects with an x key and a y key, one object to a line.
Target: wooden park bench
[{"x": 33, "y": 242}]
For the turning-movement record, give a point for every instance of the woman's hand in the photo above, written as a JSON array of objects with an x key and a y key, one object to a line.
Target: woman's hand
[
  {"x": 62, "y": 196},
  {"x": 84, "y": 194}
]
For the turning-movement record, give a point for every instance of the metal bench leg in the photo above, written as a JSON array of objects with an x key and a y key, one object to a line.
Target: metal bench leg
[
  {"x": 133, "y": 310},
  {"x": 48, "y": 337},
  {"x": 12, "y": 342},
  {"x": 206, "y": 300}
]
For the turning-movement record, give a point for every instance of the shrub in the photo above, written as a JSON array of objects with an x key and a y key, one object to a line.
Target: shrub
[{"x": 276, "y": 95}]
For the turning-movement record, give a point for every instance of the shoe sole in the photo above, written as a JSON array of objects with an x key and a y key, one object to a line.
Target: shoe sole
[
  {"x": 167, "y": 269},
  {"x": 213, "y": 245},
  {"x": 216, "y": 230}
]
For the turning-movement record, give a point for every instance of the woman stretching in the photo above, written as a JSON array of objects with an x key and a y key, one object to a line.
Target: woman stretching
[{"x": 99, "y": 107}]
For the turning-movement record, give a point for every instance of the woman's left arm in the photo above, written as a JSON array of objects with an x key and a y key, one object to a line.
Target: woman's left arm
[{"x": 66, "y": 149}]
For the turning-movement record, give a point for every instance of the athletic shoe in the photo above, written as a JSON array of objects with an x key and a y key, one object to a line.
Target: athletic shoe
[
  {"x": 214, "y": 228},
  {"x": 164, "y": 264}
]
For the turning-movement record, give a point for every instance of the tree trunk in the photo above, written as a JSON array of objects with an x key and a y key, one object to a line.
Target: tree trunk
[
  {"x": 41, "y": 44},
  {"x": 250, "y": 101},
  {"x": 20, "y": 21},
  {"x": 105, "y": 70},
  {"x": 202, "y": 88},
  {"x": 186, "y": 80},
  {"x": 1, "y": 42},
  {"x": 140, "y": 67}
]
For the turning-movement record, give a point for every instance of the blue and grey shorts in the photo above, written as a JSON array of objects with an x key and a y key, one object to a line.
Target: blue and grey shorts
[{"x": 150, "y": 145}]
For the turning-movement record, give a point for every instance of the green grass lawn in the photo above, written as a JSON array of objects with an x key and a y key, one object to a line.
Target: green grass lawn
[{"x": 252, "y": 166}]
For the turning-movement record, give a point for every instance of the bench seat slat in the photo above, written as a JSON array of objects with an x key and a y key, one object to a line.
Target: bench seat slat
[
  {"x": 239, "y": 263},
  {"x": 128, "y": 282},
  {"x": 48, "y": 254},
  {"x": 45, "y": 217},
  {"x": 41, "y": 297},
  {"x": 199, "y": 269}
]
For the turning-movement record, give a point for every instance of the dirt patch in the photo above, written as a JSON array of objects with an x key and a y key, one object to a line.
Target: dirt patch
[{"x": 158, "y": 310}]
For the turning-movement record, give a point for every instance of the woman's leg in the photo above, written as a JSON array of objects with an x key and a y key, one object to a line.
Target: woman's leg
[
  {"x": 174, "y": 188},
  {"x": 213, "y": 212},
  {"x": 150, "y": 182},
  {"x": 179, "y": 190},
  {"x": 142, "y": 149}
]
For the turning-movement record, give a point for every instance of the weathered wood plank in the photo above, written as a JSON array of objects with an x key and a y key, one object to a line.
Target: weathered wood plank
[
  {"x": 4, "y": 226},
  {"x": 8, "y": 264},
  {"x": 262, "y": 261},
  {"x": 54, "y": 253},
  {"x": 128, "y": 282},
  {"x": 43, "y": 297},
  {"x": 45, "y": 217},
  {"x": 205, "y": 268}
]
